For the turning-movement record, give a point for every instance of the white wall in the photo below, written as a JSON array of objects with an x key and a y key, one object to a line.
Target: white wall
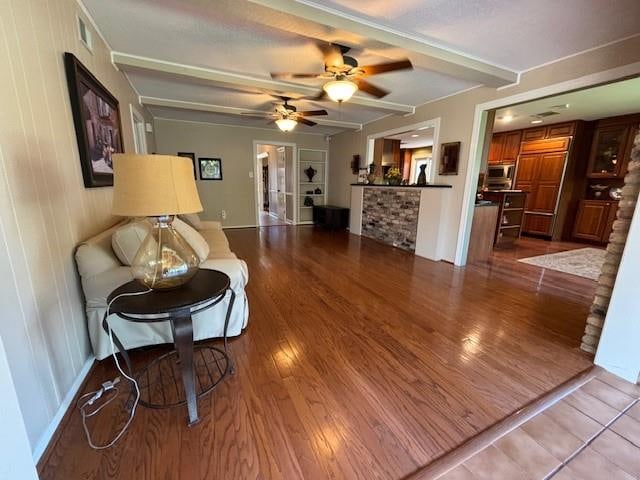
[
  {"x": 456, "y": 115},
  {"x": 234, "y": 145},
  {"x": 619, "y": 347},
  {"x": 44, "y": 208},
  {"x": 15, "y": 451}
]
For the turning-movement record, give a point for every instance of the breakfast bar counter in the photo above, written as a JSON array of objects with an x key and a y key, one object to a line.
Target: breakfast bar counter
[{"x": 405, "y": 216}]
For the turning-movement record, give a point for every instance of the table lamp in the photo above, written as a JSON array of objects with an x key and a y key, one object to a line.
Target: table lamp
[{"x": 158, "y": 187}]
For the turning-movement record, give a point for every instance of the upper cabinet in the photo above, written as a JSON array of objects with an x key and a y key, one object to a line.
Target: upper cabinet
[
  {"x": 504, "y": 148},
  {"x": 609, "y": 151},
  {"x": 549, "y": 131}
]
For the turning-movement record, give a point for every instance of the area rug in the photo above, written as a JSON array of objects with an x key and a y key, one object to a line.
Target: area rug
[{"x": 584, "y": 262}]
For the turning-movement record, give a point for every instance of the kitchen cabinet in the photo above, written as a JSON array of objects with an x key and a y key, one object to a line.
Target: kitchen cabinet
[
  {"x": 594, "y": 220},
  {"x": 540, "y": 174},
  {"x": 505, "y": 148},
  {"x": 510, "y": 215},
  {"x": 549, "y": 131},
  {"x": 609, "y": 151}
]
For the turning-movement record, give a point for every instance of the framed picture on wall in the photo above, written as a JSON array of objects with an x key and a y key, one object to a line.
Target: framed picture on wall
[
  {"x": 96, "y": 118},
  {"x": 449, "y": 158},
  {"x": 210, "y": 168},
  {"x": 192, "y": 156}
]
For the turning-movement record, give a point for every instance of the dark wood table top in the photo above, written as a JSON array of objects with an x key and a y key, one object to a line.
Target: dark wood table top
[{"x": 204, "y": 286}]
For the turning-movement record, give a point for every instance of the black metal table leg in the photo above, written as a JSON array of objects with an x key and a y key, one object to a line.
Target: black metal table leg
[
  {"x": 232, "y": 367},
  {"x": 107, "y": 328},
  {"x": 182, "y": 327}
]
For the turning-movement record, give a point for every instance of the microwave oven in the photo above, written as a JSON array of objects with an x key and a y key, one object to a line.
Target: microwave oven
[{"x": 500, "y": 172}]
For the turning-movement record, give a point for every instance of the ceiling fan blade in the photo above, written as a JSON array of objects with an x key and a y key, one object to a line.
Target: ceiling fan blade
[
  {"x": 332, "y": 54},
  {"x": 290, "y": 76},
  {"x": 370, "y": 88},
  {"x": 305, "y": 121},
  {"x": 386, "y": 67},
  {"x": 312, "y": 113}
]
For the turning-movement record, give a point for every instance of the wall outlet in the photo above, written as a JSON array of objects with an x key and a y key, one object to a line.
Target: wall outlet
[
  {"x": 250, "y": 174},
  {"x": 223, "y": 214}
]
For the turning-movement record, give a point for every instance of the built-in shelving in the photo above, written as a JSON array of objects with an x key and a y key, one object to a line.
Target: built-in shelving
[{"x": 317, "y": 159}]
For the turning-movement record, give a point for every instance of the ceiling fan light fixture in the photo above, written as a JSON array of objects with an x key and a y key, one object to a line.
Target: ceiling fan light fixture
[
  {"x": 286, "y": 124},
  {"x": 340, "y": 90}
]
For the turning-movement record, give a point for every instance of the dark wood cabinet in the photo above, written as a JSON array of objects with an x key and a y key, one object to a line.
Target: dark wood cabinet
[
  {"x": 541, "y": 175},
  {"x": 505, "y": 148},
  {"x": 608, "y": 158},
  {"x": 594, "y": 220},
  {"x": 549, "y": 131},
  {"x": 537, "y": 133}
]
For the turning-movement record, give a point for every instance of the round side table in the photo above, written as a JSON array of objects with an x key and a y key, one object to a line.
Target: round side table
[{"x": 205, "y": 290}]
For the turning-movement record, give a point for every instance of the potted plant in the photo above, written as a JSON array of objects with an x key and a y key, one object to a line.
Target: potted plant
[{"x": 394, "y": 176}]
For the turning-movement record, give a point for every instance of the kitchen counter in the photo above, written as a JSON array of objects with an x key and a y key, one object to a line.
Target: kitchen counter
[{"x": 374, "y": 185}]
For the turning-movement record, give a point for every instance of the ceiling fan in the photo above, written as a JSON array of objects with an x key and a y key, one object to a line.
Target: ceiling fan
[
  {"x": 344, "y": 75},
  {"x": 286, "y": 116}
]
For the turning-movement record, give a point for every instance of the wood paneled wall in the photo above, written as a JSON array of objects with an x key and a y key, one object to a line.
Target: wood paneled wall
[{"x": 44, "y": 208}]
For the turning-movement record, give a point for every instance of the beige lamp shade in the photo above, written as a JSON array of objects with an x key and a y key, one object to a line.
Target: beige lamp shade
[{"x": 153, "y": 186}]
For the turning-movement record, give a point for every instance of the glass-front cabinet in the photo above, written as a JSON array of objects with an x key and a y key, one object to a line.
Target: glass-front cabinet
[{"x": 609, "y": 151}]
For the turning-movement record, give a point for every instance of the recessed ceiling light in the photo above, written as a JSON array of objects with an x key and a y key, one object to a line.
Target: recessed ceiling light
[
  {"x": 536, "y": 121},
  {"x": 506, "y": 118},
  {"x": 415, "y": 135}
]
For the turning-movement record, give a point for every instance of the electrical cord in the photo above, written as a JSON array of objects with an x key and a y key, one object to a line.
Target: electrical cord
[{"x": 109, "y": 386}]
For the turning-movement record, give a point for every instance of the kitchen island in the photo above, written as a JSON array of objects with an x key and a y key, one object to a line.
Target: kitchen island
[{"x": 405, "y": 216}]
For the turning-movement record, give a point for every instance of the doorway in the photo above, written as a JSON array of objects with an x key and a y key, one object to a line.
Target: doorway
[{"x": 274, "y": 175}]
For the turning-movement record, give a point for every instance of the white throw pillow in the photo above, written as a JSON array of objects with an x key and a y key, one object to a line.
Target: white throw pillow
[
  {"x": 192, "y": 219},
  {"x": 193, "y": 238},
  {"x": 127, "y": 240}
]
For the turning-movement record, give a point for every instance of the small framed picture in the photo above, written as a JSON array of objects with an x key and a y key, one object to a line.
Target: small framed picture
[
  {"x": 449, "y": 157},
  {"x": 362, "y": 175},
  {"x": 210, "y": 168},
  {"x": 192, "y": 156}
]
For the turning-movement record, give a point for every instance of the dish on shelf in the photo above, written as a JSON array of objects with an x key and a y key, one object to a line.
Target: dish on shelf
[{"x": 615, "y": 193}]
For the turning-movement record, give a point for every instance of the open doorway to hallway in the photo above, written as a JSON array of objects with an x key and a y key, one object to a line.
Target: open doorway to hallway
[{"x": 274, "y": 181}]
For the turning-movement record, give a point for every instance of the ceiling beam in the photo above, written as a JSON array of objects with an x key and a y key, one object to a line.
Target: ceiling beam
[
  {"x": 230, "y": 79},
  {"x": 422, "y": 52},
  {"x": 207, "y": 107}
]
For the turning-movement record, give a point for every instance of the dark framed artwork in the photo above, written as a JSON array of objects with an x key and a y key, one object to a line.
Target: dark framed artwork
[
  {"x": 449, "y": 158},
  {"x": 192, "y": 156},
  {"x": 210, "y": 168},
  {"x": 96, "y": 118}
]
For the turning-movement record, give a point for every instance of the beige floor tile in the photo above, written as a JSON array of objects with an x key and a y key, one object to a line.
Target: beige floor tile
[
  {"x": 573, "y": 420},
  {"x": 458, "y": 473},
  {"x": 564, "y": 474},
  {"x": 629, "y": 428},
  {"x": 634, "y": 411},
  {"x": 492, "y": 464},
  {"x": 622, "y": 385},
  {"x": 619, "y": 451},
  {"x": 608, "y": 394},
  {"x": 590, "y": 465},
  {"x": 520, "y": 447},
  {"x": 556, "y": 439},
  {"x": 591, "y": 406}
]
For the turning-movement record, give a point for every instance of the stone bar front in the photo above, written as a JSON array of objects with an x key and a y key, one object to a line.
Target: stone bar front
[{"x": 406, "y": 217}]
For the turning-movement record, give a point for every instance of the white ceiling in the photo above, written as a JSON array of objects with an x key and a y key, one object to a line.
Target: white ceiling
[
  {"x": 414, "y": 138},
  {"x": 242, "y": 37},
  {"x": 518, "y": 34},
  {"x": 618, "y": 98}
]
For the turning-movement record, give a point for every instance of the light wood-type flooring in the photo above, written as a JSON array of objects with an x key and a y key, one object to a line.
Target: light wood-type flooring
[{"x": 359, "y": 361}]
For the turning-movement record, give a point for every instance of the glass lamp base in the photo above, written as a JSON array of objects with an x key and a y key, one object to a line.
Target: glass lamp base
[{"x": 165, "y": 260}]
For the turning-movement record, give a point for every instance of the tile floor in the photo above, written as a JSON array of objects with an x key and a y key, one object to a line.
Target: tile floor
[{"x": 593, "y": 433}]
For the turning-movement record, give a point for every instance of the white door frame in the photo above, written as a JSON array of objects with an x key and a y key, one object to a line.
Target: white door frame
[
  {"x": 257, "y": 174},
  {"x": 433, "y": 123},
  {"x": 477, "y": 138},
  {"x": 138, "y": 118}
]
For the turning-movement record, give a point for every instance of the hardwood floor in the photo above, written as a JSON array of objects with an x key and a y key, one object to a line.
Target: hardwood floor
[{"x": 359, "y": 361}]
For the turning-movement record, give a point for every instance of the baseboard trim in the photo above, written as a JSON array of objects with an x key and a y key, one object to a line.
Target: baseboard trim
[
  {"x": 448, "y": 461},
  {"x": 51, "y": 430},
  {"x": 231, "y": 227}
]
